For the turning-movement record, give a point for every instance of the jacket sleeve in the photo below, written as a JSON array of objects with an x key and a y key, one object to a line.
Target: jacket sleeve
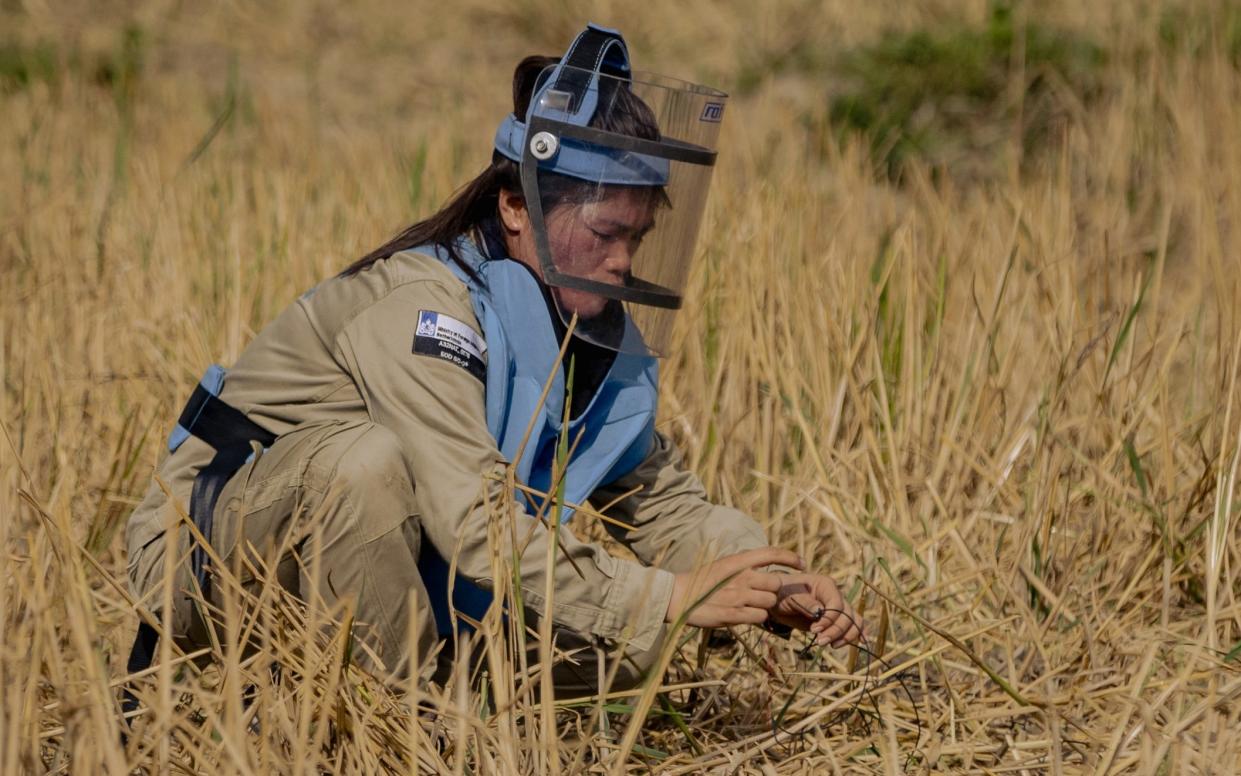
[
  {"x": 437, "y": 408},
  {"x": 671, "y": 523}
]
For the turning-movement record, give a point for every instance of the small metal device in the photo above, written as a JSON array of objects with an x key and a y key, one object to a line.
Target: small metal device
[{"x": 543, "y": 146}]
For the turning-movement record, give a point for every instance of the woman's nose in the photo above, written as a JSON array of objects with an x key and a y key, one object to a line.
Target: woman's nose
[{"x": 619, "y": 260}]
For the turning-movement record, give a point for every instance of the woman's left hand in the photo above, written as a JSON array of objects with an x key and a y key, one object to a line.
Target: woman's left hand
[{"x": 803, "y": 596}]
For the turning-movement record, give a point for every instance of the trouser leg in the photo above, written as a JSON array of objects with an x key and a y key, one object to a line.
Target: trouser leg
[
  {"x": 591, "y": 663},
  {"x": 340, "y": 498}
]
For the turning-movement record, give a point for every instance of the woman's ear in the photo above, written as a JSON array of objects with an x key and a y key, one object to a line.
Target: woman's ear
[{"x": 513, "y": 213}]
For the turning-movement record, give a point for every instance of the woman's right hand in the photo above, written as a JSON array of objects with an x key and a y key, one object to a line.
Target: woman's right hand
[{"x": 745, "y": 597}]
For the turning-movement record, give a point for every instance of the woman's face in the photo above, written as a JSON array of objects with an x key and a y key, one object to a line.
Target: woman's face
[{"x": 594, "y": 240}]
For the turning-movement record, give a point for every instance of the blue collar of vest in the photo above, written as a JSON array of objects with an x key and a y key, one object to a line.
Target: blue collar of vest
[{"x": 522, "y": 346}]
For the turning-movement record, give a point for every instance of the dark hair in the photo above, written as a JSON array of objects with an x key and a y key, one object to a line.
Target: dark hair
[{"x": 477, "y": 201}]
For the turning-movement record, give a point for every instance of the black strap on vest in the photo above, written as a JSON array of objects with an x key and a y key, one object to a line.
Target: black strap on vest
[
  {"x": 220, "y": 424},
  {"x": 230, "y": 432}
]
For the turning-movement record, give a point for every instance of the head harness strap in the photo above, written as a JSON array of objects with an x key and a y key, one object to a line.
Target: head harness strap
[
  {"x": 569, "y": 94},
  {"x": 595, "y": 50}
]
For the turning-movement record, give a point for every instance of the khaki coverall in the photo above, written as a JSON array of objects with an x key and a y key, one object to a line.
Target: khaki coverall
[{"x": 383, "y": 449}]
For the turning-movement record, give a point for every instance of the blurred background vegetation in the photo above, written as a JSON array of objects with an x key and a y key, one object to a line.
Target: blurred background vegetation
[
  {"x": 963, "y": 87},
  {"x": 968, "y": 332}
]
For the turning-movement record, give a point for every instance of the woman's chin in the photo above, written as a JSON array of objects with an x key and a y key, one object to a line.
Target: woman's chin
[{"x": 586, "y": 308}]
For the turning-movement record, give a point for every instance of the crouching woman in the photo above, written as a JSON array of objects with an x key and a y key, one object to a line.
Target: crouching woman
[{"x": 363, "y": 437}]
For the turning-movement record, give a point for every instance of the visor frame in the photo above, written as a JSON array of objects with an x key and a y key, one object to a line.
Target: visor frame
[{"x": 642, "y": 292}]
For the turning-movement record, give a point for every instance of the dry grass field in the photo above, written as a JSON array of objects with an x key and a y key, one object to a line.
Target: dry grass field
[{"x": 977, "y": 359}]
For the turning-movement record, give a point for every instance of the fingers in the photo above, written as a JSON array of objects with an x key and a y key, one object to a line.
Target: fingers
[
  {"x": 817, "y": 598},
  {"x": 762, "y": 599},
  {"x": 763, "y": 556},
  {"x": 852, "y": 636},
  {"x": 793, "y": 590},
  {"x": 742, "y": 568},
  {"x": 744, "y": 598},
  {"x": 797, "y": 603},
  {"x": 750, "y": 596},
  {"x": 740, "y": 596},
  {"x": 828, "y": 593},
  {"x": 719, "y": 616},
  {"x": 761, "y": 580},
  {"x": 749, "y": 615},
  {"x": 839, "y": 628}
]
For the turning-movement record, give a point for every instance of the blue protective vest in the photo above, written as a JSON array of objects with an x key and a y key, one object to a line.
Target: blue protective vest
[{"x": 522, "y": 346}]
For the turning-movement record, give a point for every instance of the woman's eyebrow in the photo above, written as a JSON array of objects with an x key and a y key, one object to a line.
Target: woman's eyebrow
[{"x": 613, "y": 224}]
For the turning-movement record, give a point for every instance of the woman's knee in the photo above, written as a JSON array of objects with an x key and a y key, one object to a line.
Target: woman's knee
[
  {"x": 364, "y": 465},
  {"x": 348, "y": 479},
  {"x": 360, "y": 455}
]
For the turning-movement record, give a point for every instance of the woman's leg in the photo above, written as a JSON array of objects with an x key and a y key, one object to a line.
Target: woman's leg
[
  {"x": 591, "y": 665},
  {"x": 340, "y": 496}
]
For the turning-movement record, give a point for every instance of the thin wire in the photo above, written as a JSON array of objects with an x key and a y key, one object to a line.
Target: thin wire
[{"x": 866, "y": 693}]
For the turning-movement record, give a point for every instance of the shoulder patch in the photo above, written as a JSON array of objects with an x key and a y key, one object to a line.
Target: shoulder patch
[{"x": 444, "y": 337}]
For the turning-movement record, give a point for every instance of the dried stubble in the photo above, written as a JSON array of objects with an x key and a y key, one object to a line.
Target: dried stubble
[{"x": 1003, "y": 413}]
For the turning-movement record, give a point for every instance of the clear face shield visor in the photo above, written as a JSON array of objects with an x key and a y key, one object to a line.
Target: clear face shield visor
[{"x": 616, "y": 200}]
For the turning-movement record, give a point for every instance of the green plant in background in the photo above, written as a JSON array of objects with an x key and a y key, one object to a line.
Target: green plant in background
[
  {"x": 942, "y": 94},
  {"x": 119, "y": 73},
  {"x": 26, "y": 63},
  {"x": 1196, "y": 34},
  {"x": 22, "y": 65}
]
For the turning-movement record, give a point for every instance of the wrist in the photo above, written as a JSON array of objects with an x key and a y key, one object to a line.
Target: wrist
[{"x": 676, "y": 592}]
